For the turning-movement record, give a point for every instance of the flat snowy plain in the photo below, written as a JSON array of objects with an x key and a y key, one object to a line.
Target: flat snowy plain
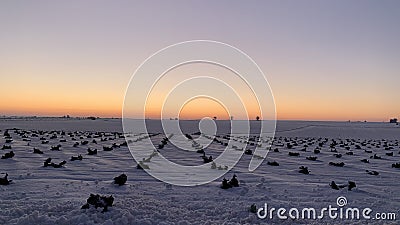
[{"x": 45, "y": 195}]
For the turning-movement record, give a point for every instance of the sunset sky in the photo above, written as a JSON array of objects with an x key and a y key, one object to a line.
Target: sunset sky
[{"x": 324, "y": 60}]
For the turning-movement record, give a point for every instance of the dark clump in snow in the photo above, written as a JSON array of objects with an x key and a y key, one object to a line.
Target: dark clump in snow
[
  {"x": 92, "y": 152},
  {"x": 312, "y": 158},
  {"x": 206, "y": 159},
  {"x": 106, "y": 148},
  {"x": 5, "y": 180},
  {"x": 365, "y": 160},
  {"x": 350, "y": 185},
  {"x": 375, "y": 157},
  {"x": 372, "y": 172},
  {"x": 253, "y": 208},
  {"x": 37, "y": 151},
  {"x": 121, "y": 179},
  {"x": 248, "y": 152},
  {"x": 56, "y": 148},
  {"x": 304, "y": 170},
  {"x": 79, "y": 157},
  {"x": 99, "y": 202},
  {"x": 294, "y": 154},
  {"x": 274, "y": 163},
  {"x": 48, "y": 162},
  {"x": 226, "y": 184},
  {"x": 396, "y": 165},
  {"x": 8, "y": 155},
  {"x": 6, "y": 147},
  {"x": 341, "y": 164}
]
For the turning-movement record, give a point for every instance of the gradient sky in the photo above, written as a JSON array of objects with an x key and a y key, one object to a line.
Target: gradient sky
[{"x": 324, "y": 60}]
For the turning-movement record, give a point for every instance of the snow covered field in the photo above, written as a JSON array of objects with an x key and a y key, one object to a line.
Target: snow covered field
[{"x": 47, "y": 195}]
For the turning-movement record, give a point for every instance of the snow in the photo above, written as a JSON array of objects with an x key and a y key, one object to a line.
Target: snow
[{"x": 46, "y": 195}]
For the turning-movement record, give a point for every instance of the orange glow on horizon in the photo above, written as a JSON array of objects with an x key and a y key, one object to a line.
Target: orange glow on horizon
[
  {"x": 47, "y": 100},
  {"x": 196, "y": 109}
]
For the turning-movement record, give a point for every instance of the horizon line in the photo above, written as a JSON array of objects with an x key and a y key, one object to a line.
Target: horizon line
[{"x": 197, "y": 119}]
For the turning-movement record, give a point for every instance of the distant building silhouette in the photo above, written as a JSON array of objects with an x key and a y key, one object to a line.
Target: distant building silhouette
[{"x": 394, "y": 120}]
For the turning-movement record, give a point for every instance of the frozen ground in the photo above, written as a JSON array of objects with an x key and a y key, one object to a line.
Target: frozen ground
[{"x": 44, "y": 195}]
